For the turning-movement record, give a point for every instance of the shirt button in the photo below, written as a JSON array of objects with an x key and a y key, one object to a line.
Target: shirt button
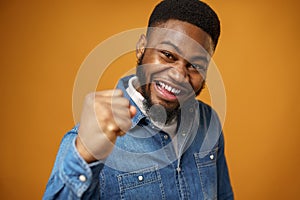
[
  {"x": 191, "y": 110},
  {"x": 141, "y": 178},
  {"x": 211, "y": 156},
  {"x": 82, "y": 178},
  {"x": 183, "y": 134},
  {"x": 178, "y": 169},
  {"x": 166, "y": 137}
]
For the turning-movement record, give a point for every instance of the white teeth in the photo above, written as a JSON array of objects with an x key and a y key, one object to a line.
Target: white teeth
[{"x": 169, "y": 88}]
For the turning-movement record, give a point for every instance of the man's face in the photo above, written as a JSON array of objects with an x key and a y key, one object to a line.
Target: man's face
[{"x": 174, "y": 60}]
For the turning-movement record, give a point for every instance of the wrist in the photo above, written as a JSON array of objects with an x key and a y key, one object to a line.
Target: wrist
[{"x": 83, "y": 152}]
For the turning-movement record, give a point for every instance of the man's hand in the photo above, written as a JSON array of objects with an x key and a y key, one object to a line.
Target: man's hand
[{"x": 105, "y": 116}]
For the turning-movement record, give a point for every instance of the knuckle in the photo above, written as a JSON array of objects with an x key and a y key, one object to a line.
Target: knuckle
[
  {"x": 112, "y": 127},
  {"x": 126, "y": 101},
  {"x": 118, "y": 92},
  {"x": 122, "y": 101}
]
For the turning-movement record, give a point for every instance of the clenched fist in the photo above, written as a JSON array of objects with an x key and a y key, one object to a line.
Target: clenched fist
[{"x": 105, "y": 116}]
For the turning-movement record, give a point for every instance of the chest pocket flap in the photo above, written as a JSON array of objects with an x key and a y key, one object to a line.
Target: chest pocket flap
[{"x": 145, "y": 184}]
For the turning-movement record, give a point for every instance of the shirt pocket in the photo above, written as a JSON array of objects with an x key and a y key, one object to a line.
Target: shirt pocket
[
  {"x": 207, "y": 168},
  {"x": 141, "y": 184}
]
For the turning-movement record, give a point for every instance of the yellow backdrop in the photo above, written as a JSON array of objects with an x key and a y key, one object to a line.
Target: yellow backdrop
[{"x": 43, "y": 44}]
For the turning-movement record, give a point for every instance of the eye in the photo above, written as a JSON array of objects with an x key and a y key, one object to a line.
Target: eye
[
  {"x": 198, "y": 67},
  {"x": 168, "y": 55}
]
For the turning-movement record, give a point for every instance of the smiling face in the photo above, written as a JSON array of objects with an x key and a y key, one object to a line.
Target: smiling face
[{"x": 173, "y": 61}]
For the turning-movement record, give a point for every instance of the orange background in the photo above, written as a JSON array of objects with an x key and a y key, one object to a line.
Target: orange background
[{"x": 44, "y": 43}]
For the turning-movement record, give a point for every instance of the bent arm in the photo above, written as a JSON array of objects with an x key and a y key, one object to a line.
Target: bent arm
[{"x": 72, "y": 177}]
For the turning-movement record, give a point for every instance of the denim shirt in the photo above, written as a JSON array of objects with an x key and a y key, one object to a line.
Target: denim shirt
[{"x": 144, "y": 164}]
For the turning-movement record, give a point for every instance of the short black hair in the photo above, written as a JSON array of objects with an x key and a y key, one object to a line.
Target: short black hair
[{"x": 194, "y": 12}]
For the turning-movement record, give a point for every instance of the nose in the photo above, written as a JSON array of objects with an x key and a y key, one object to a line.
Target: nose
[{"x": 179, "y": 72}]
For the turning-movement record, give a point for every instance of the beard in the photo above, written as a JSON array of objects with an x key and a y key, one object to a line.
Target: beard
[{"x": 155, "y": 111}]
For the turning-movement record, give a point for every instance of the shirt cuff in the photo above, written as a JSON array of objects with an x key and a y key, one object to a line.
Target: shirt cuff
[{"x": 77, "y": 173}]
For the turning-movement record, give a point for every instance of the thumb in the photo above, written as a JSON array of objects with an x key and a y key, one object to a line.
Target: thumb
[{"x": 132, "y": 110}]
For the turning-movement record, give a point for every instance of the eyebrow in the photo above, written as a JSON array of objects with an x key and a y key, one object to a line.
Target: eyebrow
[
  {"x": 202, "y": 58},
  {"x": 173, "y": 45},
  {"x": 194, "y": 58}
]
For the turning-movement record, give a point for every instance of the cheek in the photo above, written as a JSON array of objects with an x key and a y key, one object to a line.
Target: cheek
[
  {"x": 197, "y": 83},
  {"x": 144, "y": 74},
  {"x": 151, "y": 69},
  {"x": 147, "y": 74}
]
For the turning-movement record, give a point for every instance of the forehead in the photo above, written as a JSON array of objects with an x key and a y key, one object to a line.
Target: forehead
[{"x": 187, "y": 37}]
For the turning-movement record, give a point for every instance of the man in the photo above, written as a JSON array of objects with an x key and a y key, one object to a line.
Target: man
[{"x": 150, "y": 138}]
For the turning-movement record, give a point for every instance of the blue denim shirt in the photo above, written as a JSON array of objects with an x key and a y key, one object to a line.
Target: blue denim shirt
[{"x": 144, "y": 164}]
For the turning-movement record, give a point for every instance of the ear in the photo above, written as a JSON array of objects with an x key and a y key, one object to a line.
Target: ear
[{"x": 140, "y": 46}]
